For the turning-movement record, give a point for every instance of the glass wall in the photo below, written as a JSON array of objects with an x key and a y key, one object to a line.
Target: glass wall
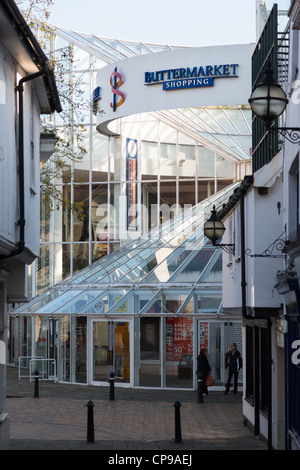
[
  {"x": 164, "y": 352},
  {"x": 148, "y": 352},
  {"x": 216, "y": 337},
  {"x": 64, "y": 345},
  {"x": 72, "y": 353},
  {"x": 19, "y": 338},
  {"x": 80, "y": 349},
  {"x": 179, "y": 352},
  {"x": 100, "y": 204}
]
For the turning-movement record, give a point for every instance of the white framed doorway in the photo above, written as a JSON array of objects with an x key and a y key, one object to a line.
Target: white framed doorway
[{"x": 112, "y": 352}]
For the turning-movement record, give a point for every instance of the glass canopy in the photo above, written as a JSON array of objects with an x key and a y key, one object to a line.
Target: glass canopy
[
  {"x": 222, "y": 129},
  {"x": 172, "y": 270}
]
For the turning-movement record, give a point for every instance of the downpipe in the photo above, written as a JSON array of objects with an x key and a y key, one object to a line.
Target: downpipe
[{"x": 22, "y": 220}]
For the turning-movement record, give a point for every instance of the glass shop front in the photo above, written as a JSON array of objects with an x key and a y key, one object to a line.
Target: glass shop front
[{"x": 141, "y": 351}]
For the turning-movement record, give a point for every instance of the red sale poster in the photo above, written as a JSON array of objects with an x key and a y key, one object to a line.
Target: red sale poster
[{"x": 179, "y": 339}]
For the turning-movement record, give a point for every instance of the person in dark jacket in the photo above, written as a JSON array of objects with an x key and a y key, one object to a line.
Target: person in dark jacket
[
  {"x": 233, "y": 363},
  {"x": 203, "y": 368}
]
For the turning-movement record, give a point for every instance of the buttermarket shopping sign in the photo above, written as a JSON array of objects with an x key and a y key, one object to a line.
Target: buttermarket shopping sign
[{"x": 190, "y": 77}]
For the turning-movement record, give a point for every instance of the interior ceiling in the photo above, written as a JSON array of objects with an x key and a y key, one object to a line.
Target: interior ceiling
[{"x": 225, "y": 130}]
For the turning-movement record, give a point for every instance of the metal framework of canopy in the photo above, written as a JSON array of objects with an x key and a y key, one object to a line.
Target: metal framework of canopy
[{"x": 172, "y": 270}]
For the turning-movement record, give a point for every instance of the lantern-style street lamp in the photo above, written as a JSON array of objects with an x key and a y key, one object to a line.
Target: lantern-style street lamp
[
  {"x": 214, "y": 230},
  {"x": 268, "y": 101}
]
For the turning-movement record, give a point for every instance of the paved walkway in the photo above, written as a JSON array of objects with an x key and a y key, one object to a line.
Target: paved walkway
[{"x": 136, "y": 419}]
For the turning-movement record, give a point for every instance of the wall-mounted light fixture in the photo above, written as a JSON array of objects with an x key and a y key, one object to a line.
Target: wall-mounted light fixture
[
  {"x": 268, "y": 101},
  {"x": 214, "y": 230}
]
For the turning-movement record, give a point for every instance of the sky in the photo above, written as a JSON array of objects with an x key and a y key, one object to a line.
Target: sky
[{"x": 175, "y": 22}]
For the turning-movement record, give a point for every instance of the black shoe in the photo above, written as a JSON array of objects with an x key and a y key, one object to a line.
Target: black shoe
[{"x": 225, "y": 393}]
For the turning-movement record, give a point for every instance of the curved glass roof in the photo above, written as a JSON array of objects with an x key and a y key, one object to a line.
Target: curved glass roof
[
  {"x": 225, "y": 130},
  {"x": 172, "y": 270}
]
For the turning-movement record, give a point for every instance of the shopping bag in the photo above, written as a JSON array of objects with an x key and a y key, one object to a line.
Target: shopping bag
[{"x": 209, "y": 380}]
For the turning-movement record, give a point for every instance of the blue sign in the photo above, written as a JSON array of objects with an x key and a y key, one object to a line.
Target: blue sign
[
  {"x": 195, "y": 77},
  {"x": 96, "y": 99},
  {"x": 96, "y": 94},
  {"x": 188, "y": 83}
]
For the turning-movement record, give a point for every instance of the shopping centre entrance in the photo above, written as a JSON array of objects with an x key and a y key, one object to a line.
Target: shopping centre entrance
[{"x": 111, "y": 351}]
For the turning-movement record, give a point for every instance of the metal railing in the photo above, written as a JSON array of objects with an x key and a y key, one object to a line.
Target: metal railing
[
  {"x": 46, "y": 368},
  {"x": 24, "y": 365}
]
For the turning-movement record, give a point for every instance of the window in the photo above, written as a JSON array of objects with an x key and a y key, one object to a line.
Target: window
[{"x": 150, "y": 338}]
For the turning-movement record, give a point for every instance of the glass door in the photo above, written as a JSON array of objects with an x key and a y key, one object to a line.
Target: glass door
[
  {"x": 217, "y": 337},
  {"x": 111, "y": 351}
]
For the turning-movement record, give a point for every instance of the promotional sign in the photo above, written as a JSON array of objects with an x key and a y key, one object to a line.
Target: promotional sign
[{"x": 179, "y": 340}]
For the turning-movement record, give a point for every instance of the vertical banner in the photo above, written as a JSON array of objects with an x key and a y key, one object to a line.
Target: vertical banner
[{"x": 131, "y": 178}]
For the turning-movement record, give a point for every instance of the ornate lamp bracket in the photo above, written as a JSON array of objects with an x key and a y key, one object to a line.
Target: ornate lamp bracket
[
  {"x": 292, "y": 134},
  {"x": 277, "y": 245},
  {"x": 229, "y": 248}
]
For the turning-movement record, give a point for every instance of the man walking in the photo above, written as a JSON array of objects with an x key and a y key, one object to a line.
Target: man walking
[{"x": 233, "y": 363}]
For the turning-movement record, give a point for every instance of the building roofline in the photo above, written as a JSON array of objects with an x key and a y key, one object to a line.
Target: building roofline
[
  {"x": 235, "y": 198},
  {"x": 34, "y": 51}
]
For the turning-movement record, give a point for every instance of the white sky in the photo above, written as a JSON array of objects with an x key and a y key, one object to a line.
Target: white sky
[{"x": 177, "y": 22}]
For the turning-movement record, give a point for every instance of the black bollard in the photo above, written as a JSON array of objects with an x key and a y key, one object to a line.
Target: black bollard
[
  {"x": 200, "y": 389},
  {"x": 36, "y": 384},
  {"x": 90, "y": 422},
  {"x": 112, "y": 386},
  {"x": 178, "y": 438}
]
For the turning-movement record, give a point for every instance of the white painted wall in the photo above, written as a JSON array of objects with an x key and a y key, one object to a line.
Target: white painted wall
[
  {"x": 9, "y": 199},
  {"x": 8, "y": 171},
  {"x": 263, "y": 225}
]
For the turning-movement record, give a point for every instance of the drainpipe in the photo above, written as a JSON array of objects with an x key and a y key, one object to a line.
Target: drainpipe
[
  {"x": 270, "y": 434},
  {"x": 243, "y": 255},
  {"x": 22, "y": 220}
]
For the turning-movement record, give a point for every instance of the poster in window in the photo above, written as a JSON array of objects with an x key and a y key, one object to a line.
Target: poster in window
[{"x": 179, "y": 339}]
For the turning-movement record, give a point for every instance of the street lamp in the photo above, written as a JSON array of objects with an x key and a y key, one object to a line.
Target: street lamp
[
  {"x": 268, "y": 101},
  {"x": 214, "y": 230}
]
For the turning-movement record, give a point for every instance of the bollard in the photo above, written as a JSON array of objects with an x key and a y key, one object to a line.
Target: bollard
[
  {"x": 178, "y": 438},
  {"x": 200, "y": 390},
  {"x": 36, "y": 384},
  {"x": 90, "y": 422},
  {"x": 112, "y": 386}
]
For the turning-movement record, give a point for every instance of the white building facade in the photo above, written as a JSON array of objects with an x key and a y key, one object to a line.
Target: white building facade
[
  {"x": 27, "y": 89},
  {"x": 288, "y": 279},
  {"x": 263, "y": 222}
]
